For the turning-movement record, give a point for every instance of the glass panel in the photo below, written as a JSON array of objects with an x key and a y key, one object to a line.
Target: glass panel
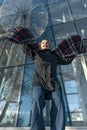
[
  {"x": 1, "y": 1},
  {"x": 72, "y": 94},
  {"x": 73, "y": 102},
  {"x": 63, "y": 31},
  {"x": 76, "y": 116},
  {"x": 24, "y": 118},
  {"x": 11, "y": 74},
  {"x": 4, "y": 53},
  {"x": 12, "y": 55},
  {"x": 53, "y": 1},
  {"x": 70, "y": 87},
  {"x": 82, "y": 27},
  {"x": 64, "y": 96},
  {"x": 67, "y": 72},
  {"x": 79, "y": 8},
  {"x": 44, "y": 2},
  {"x": 60, "y": 12},
  {"x": 10, "y": 95}
]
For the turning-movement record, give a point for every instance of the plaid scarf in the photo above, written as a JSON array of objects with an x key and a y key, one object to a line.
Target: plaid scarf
[
  {"x": 71, "y": 46},
  {"x": 20, "y": 35}
]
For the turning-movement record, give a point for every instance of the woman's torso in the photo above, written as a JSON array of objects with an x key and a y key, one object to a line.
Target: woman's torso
[{"x": 46, "y": 70}]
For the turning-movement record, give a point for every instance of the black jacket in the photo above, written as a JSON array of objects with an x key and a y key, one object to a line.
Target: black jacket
[{"x": 46, "y": 62}]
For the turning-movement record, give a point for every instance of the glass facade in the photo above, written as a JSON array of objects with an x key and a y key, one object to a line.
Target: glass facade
[{"x": 65, "y": 17}]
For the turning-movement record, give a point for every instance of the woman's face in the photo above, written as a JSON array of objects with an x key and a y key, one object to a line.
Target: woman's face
[{"x": 44, "y": 44}]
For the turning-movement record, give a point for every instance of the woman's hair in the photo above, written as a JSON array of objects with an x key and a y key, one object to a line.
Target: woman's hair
[{"x": 44, "y": 40}]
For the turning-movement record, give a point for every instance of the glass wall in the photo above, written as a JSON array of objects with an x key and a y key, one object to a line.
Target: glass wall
[
  {"x": 65, "y": 17},
  {"x": 11, "y": 74},
  {"x": 72, "y": 95}
]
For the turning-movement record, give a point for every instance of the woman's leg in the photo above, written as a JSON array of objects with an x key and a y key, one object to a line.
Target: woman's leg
[
  {"x": 37, "y": 122},
  {"x": 57, "y": 111}
]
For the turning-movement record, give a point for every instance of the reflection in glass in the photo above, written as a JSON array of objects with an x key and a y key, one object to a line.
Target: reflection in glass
[
  {"x": 11, "y": 69},
  {"x": 60, "y": 13},
  {"x": 82, "y": 27},
  {"x": 72, "y": 95},
  {"x": 10, "y": 96},
  {"x": 24, "y": 117},
  {"x": 70, "y": 86},
  {"x": 63, "y": 31},
  {"x": 76, "y": 116},
  {"x": 1, "y": 1},
  {"x": 79, "y": 8},
  {"x": 73, "y": 102},
  {"x": 31, "y": 14},
  {"x": 15, "y": 90}
]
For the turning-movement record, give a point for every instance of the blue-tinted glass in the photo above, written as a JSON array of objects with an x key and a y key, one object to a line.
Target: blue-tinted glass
[
  {"x": 1, "y": 1},
  {"x": 70, "y": 86},
  {"x": 77, "y": 117},
  {"x": 26, "y": 97},
  {"x": 63, "y": 31},
  {"x": 73, "y": 102},
  {"x": 79, "y": 8},
  {"x": 60, "y": 25},
  {"x": 82, "y": 27},
  {"x": 60, "y": 12}
]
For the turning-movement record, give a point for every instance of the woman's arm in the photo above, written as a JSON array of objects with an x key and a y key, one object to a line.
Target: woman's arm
[
  {"x": 69, "y": 48},
  {"x": 65, "y": 60},
  {"x": 27, "y": 49}
]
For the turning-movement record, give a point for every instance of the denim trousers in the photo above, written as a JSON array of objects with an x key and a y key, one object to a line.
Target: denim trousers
[{"x": 57, "y": 111}]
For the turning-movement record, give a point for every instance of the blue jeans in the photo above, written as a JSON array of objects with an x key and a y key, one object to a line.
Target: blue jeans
[{"x": 57, "y": 113}]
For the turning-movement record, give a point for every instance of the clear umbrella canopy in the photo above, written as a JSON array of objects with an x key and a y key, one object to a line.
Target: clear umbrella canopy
[{"x": 26, "y": 13}]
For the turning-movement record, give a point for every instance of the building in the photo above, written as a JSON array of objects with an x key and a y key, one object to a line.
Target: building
[{"x": 65, "y": 18}]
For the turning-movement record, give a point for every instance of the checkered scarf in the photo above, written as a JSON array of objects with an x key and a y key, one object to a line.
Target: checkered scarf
[
  {"x": 20, "y": 35},
  {"x": 71, "y": 46}
]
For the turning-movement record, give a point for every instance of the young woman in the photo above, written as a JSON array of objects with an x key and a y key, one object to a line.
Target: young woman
[
  {"x": 45, "y": 82},
  {"x": 46, "y": 86}
]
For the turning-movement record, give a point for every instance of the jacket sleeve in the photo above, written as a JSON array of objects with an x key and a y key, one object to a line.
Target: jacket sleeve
[
  {"x": 27, "y": 49},
  {"x": 65, "y": 60}
]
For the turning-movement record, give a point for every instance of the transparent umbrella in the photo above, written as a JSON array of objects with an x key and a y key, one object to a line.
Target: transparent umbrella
[
  {"x": 20, "y": 16},
  {"x": 31, "y": 14}
]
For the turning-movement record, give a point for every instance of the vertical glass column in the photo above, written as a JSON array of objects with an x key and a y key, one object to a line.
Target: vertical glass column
[
  {"x": 11, "y": 70},
  {"x": 24, "y": 118},
  {"x": 72, "y": 95},
  {"x": 81, "y": 86}
]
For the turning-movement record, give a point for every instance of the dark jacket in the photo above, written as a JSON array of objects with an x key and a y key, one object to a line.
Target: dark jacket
[{"x": 46, "y": 62}]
